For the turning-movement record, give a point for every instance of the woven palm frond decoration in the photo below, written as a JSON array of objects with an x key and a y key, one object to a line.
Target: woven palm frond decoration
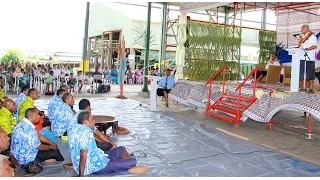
[
  {"x": 211, "y": 47},
  {"x": 267, "y": 43}
]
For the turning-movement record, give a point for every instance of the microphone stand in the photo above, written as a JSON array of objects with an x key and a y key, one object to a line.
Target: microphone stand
[
  {"x": 305, "y": 67},
  {"x": 140, "y": 105}
]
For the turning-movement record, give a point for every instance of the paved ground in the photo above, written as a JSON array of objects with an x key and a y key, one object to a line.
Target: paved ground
[{"x": 180, "y": 141}]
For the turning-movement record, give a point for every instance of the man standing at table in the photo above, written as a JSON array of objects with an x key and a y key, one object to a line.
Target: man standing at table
[{"x": 307, "y": 41}]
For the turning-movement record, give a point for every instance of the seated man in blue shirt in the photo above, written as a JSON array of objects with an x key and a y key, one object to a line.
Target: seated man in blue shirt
[
  {"x": 88, "y": 159},
  {"x": 167, "y": 83},
  {"x": 102, "y": 141},
  {"x": 54, "y": 103},
  {"x": 30, "y": 147},
  {"x": 63, "y": 116},
  {"x": 21, "y": 97}
]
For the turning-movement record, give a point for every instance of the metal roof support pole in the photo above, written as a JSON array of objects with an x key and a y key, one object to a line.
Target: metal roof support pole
[
  {"x": 235, "y": 8},
  {"x": 146, "y": 56},
  {"x": 264, "y": 19},
  {"x": 226, "y": 15},
  {"x": 162, "y": 54},
  {"x": 84, "y": 50}
]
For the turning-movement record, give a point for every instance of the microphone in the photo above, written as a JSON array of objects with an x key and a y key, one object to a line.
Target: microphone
[{"x": 295, "y": 35}]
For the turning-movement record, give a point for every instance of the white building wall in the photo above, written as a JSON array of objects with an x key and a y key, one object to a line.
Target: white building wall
[{"x": 103, "y": 18}]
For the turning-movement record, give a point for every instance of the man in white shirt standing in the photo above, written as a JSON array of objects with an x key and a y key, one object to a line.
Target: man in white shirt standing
[
  {"x": 56, "y": 71},
  {"x": 307, "y": 41}
]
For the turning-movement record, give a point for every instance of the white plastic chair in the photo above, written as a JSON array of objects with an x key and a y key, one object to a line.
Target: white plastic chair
[
  {"x": 107, "y": 78},
  {"x": 16, "y": 83},
  {"x": 41, "y": 85},
  {"x": 31, "y": 81},
  {"x": 6, "y": 85},
  {"x": 91, "y": 86},
  {"x": 98, "y": 78}
]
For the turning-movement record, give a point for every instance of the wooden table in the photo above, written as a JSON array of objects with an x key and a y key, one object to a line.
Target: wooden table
[{"x": 103, "y": 123}]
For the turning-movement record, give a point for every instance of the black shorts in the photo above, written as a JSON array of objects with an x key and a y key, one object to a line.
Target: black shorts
[
  {"x": 259, "y": 73},
  {"x": 310, "y": 70},
  {"x": 160, "y": 91}
]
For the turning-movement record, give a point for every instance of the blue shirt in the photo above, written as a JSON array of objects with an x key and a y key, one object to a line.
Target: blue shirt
[
  {"x": 81, "y": 138},
  {"x": 75, "y": 119},
  {"x": 63, "y": 116},
  {"x": 21, "y": 97},
  {"x": 167, "y": 81},
  {"x": 53, "y": 104},
  {"x": 24, "y": 142}
]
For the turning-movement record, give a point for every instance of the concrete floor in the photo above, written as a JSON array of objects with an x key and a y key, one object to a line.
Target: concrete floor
[{"x": 217, "y": 149}]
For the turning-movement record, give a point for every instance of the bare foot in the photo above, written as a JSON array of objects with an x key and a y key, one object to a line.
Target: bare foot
[
  {"x": 122, "y": 130},
  {"x": 138, "y": 170},
  {"x": 50, "y": 161},
  {"x": 68, "y": 166}
]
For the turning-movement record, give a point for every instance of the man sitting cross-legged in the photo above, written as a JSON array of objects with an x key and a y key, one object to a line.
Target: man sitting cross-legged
[
  {"x": 63, "y": 115},
  {"x": 92, "y": 159},
  {"x": 29, "y": 103},
  {"x": 102, "y": 141},
  {"x": 54, "y": 103},
  {"x": 65, "y": 87},
  {"x": 30, "y": 147}
]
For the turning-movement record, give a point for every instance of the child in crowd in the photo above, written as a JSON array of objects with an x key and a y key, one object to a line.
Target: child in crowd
[
  {"x": 72, "y": 81},
  {"x": 49, "y": 82}
]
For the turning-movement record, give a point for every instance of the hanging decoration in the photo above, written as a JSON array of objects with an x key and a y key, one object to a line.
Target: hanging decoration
[
  {"x": 267, "y": 43},
  {"x": 210, "y": 47}
]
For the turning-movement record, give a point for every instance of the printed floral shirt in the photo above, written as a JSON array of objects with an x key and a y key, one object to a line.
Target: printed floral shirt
[
  {"x": 7, "y": 121},
  {"x": 63, "y": 116},
  {"x": 21, "y": 97},
  {"x": 26, "y": 104},
  {"x": 24, "y": 142},
  {"x": 75, "y": 120},
  {"x": 53, "y": 105},
  {"x": 81, "y": 138}
]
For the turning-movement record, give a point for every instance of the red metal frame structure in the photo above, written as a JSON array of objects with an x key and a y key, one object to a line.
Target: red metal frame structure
[
  {"x": 169, "y": 25},
  {"x": 223, "y": 102}
]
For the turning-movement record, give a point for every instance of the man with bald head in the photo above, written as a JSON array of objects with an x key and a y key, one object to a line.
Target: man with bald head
[
  {"x": 63, "y": 115},
  {"x": 7, "y": 122},
  {"x": 307, "y": 41}
]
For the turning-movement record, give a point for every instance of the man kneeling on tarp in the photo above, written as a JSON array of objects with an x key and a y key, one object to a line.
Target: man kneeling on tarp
[{"x": 92, "y": 159}]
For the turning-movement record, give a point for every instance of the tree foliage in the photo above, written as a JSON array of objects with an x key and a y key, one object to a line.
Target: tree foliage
[
  {"x": 14, "y": 55},
  {"x": 140, "y": 37}
]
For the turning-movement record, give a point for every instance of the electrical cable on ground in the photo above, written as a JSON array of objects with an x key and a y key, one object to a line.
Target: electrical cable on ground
[{"x": 251, "y": 152}]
